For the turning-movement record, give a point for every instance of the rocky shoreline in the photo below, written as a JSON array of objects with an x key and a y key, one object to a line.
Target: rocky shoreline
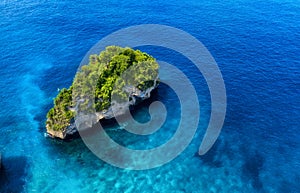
[{"x": 135, "y": 95}]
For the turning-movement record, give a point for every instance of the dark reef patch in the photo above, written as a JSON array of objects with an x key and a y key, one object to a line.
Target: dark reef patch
[
  {"x": 211, "y": 158},
  {"x": 252, "y": 168},
  {"x": 13, "y": 173}
]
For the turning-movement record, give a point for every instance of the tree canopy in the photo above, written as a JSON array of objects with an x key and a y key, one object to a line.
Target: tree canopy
[{"x": 107, "y": 74}]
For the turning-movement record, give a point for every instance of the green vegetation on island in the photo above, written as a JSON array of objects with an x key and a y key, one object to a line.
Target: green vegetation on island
[{"x": 107, "y": 74}]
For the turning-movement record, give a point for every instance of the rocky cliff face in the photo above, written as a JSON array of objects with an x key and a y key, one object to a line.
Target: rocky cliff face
[{"x": 116, "y": 109}]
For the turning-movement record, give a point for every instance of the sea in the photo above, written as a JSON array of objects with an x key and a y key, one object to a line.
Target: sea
[{"x": 256, "y": 44}]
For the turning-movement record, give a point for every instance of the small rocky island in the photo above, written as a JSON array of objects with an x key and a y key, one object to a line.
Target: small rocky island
[{"x": 111, "y": 92}]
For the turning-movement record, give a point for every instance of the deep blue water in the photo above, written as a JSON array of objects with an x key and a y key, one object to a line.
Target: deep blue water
[{"x": 256, "y": 45}]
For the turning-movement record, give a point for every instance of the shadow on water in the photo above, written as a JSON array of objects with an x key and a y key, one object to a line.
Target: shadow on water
[
  {"x": 252, "y": 168},
  {"x": 13, "y": 173},
  {"x": 75, "y": 148}
]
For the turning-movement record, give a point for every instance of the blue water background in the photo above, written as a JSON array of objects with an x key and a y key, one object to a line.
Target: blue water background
[{"x": 256, "y": 45}]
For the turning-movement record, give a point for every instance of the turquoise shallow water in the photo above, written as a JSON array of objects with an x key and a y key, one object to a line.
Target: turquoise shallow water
[{"x": 255, "y": 43}]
